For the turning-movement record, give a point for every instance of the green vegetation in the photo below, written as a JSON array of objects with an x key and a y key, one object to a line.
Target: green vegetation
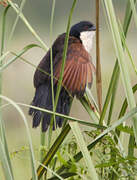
[{"x": 98, "y": 152}]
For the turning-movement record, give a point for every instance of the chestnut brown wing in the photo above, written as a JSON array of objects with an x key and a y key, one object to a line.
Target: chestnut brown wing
[{"x": 78, "y": 70}]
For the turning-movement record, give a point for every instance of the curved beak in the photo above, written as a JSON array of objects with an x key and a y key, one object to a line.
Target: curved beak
[{"x": 93, "y": 28}]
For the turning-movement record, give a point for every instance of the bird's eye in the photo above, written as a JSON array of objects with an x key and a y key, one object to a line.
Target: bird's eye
[{"x": 86, "y": 27}]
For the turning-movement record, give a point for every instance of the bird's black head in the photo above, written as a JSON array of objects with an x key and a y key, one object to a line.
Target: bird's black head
[{"x": 80, "y": 27}]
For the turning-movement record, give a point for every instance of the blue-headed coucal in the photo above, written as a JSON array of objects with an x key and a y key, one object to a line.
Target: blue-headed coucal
[{"x": 78, "y": 72}]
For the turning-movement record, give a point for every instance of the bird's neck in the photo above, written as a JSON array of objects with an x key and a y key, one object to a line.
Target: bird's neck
[{"x": 87, "y": 40}]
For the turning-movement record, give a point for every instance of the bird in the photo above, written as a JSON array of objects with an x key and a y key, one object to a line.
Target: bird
[{"x": 78, "y": 73}]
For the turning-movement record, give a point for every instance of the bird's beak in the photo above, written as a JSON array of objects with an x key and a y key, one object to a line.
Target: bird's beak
[{"x": 93, "y": 28}]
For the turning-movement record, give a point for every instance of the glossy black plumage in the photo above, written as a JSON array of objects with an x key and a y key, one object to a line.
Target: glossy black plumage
[{"x": 77, "y": 73}]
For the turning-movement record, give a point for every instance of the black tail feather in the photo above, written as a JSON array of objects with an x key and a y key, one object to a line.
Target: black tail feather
[
  {"x": 43, "y": 99},
  {"x": 36, "y": 119}
]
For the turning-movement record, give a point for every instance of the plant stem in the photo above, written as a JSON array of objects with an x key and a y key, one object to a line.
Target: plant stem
[
  {"x": 53, "y": 119},
  {"x": 2, "y": 127},
  {"x": 48, "y": 157},
  {"x": 98, "y": 64},
  {"x": 42, "y": 143},
  {"x": 64, "y": 53}
]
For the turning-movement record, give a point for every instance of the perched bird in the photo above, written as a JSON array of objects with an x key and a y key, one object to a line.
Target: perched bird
[{"x": 78, "y": 72}]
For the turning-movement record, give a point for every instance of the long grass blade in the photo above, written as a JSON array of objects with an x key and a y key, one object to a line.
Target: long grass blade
[
  {"x": 112, "y": 100},
  {"x": 53, "y": 120},
  {"x": 64, "y": 175},
  {"x": 28, "y": 134},
  {"x": 127, "y": 49},
  {"x": 87, "y": 158},
  {"x": 83, "y": 122},
  {"x": 34, "y": 66},
  {"x": 5, "y": 163},
  {"x": 52, "y": 88},
  {"x": 16, "y": 20},
  {"x": 48, "y": 169},
  {"x": 3, "y": 29},
  {"x": 127, "y": 20},
  {"x": 125, "y": 104},
  {"x": 64, "y": 52},
  {"x": 91, "y": 98},
  {"x": 94, "y": 116},
  {"x": 116, "y": 71},
  {"x": 2, "y": 128},
  {"x": 4, "y": 140},
  {"x": 98, "y": 64},
  {"x": 48, "y": 156},
  {"x": 121, "y": 60},
  {"x": 128, "y": 16},
  {"x": 3, "y": 57},
  {"x": 113, "y": 81},
  {"x": 16, "y": 9},
  {"x": 133, "y": 7},
  {"x": 25, "y": 49}
]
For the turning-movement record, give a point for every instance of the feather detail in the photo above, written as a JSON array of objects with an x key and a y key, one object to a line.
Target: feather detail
[
  {"x": 73, "y": 80},
  {"x": 69, "y": 80},
  {"x": 76, "y": 80},
  {"x": 89, "y": 73},
  {"x": 84, "y": 82},
  {"x": 67, "y": 72},
  {"x": 57, "y": 72},
  {"x": 79, "y": 79}
]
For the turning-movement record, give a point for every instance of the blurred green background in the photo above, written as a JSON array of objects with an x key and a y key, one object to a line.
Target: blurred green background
[{"x": 18, "y": 77}]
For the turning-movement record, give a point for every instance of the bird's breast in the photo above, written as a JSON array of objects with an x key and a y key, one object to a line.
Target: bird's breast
[{"x": 87, "y": 40}]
